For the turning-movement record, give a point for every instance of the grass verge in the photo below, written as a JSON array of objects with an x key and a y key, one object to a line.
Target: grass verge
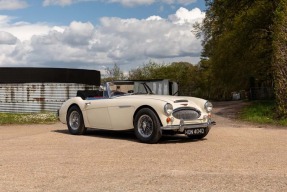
[
  {"x": 28, "y": 118},
  {"x": 262, "y": 112}
]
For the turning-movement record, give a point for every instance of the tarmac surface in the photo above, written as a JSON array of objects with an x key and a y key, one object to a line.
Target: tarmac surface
[{"x": 235, "y": 156}]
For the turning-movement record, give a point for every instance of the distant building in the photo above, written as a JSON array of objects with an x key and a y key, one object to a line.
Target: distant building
[{"x": 42, "y": 89}]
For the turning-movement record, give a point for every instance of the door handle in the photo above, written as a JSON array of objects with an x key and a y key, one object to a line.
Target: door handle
[{"x": 87, "y": 104}]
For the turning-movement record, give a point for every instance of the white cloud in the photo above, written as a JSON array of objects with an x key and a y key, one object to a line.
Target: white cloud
[
  {"x": 154, "y": 18},
  {"x": 7, "y": 38},
  {"x": 12, "y": 4},
  {"x": 127, "y": 42},
  {"x": 15, "y": 55},
  {"x": 78, "y": 33},
  {"x": 4, "y": 20},
  {"x": 23, "y": 30},
  {"x": 183, "y": 16}
]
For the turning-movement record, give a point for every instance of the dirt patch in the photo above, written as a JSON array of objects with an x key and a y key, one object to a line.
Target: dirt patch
[
  {"x": 226, "y": 114},
  {"x": 229, "y": 109}
]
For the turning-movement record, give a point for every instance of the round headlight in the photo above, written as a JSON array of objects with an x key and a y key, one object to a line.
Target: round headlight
[
  {"x": 208, "y": 106},
  {"x": 168, "y": 108}
]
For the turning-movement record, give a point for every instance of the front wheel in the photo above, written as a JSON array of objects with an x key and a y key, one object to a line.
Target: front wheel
[
  {"x": 75, "y": 121},
  {"x": 147, "y": 126}
]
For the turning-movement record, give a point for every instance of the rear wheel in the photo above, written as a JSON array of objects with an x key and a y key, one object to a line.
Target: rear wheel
[
  {"x": 147, "y": 126},
  {"x": 75, "y": 121}
]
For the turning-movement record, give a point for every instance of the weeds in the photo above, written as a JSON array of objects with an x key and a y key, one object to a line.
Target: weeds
[
  {"x": 28, "y": 118},
  {"x": 262, "y": 112}
]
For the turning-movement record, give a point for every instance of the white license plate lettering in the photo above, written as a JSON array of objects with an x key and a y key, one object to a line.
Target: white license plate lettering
[{"x": 195, "y": 131}]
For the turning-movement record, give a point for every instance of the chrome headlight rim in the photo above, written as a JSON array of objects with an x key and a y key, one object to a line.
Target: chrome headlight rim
[
  {"x": 168, "y": 109},
  {"x": 208, "y": 106}
]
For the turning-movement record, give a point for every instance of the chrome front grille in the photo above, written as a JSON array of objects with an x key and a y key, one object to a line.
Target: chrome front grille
[{"x": 186, "y": 113}]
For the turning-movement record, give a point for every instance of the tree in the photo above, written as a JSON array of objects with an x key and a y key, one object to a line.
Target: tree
[
  {"x": 185, "y": 74},
  {"x": 246, "y": 39},
  {"x": 113, "y": 74},
  {"x": 279, "y": 60},
  {"x": 237, "y": 39},
  {"x": 147, "y": 71}
]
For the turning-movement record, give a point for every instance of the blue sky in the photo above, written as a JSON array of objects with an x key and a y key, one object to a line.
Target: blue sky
[{"x": 95, "y": 34}]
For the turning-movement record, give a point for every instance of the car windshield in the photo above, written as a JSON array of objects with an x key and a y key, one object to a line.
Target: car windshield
[
  {"x": 120, "y": 89},
  {"x": 110, "y": 90}
]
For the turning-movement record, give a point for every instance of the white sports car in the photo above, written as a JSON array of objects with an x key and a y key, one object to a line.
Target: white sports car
[{"x": 149, "y": 115}]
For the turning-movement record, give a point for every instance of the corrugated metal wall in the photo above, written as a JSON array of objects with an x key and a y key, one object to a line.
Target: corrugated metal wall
[{"x": 37, "y": 97}]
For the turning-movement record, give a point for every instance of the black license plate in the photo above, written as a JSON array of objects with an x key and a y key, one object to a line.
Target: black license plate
[{"x": 197, "y": 131}]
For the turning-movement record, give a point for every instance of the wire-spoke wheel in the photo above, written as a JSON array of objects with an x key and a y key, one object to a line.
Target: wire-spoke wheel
[
  {"x": 75, "y": 121},
  {"x": 147, "y": 126}
]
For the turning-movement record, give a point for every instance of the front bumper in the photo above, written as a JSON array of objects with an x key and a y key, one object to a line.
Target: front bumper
[{"x": 182, "y": 127}]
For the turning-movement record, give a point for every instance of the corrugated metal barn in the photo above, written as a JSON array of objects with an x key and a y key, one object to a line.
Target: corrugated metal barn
[{"x": 42, "y": 89}]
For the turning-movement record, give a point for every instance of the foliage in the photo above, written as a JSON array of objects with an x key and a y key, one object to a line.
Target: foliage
[
  {"x": 113, "y": 74},
  {"x": 245, "y": 42},
  {"x": 28, "y": 118},
  {"x": 262, "y": 112},
  {"x": 147, "y": 71},
  {"x": 237, "y": 41},
  {"x": 279, "y": 62},
  {"x": 185, "y": 74}
]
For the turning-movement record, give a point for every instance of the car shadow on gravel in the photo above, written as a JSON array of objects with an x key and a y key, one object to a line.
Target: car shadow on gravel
[
  {"x": 130, "y": 136},
  {"x": 171, "y": 139},
  {"x": 107, "y": 134}
]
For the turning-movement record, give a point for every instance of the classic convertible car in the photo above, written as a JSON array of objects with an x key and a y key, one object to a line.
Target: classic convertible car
[{"x": 149, "y": 115}]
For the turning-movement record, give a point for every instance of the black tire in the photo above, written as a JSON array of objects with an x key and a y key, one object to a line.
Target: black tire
[
  {"x": 147, "y": 126},
  {"x": 75, "y": 121},
  {"x": 198, "y": 137}
]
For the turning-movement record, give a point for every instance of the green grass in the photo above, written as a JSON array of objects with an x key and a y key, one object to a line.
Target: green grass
[
  {"x": 262, "y": 112},
  {"x": 27, "y": 118}
]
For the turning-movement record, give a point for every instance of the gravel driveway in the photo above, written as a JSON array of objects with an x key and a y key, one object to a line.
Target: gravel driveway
[{"x": 235, "y": 156}]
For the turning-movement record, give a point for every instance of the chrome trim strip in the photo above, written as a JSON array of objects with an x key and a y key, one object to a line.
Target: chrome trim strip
[
  {"x": 188, "y": 126},
  {"x": 125, "y": 106}
]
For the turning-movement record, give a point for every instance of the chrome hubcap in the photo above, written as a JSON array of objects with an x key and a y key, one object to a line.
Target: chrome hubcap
[
  {"x": 74, "y": 120},
  {"x": 145, "y": 126}
]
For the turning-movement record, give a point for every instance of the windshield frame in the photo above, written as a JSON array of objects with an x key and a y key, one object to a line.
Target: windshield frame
[{"x": 109, "y": 92}]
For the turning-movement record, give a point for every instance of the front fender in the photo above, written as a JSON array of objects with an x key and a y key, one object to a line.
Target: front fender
[{"x": 67, "y": 104}]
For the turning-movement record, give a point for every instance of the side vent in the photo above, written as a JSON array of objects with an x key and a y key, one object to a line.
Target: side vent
[{"x": 181, "y": 101}]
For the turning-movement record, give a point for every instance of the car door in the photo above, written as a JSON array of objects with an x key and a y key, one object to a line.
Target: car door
[
  {"x": 121, "y": 115},
  {"x": 98, "y": 114}
]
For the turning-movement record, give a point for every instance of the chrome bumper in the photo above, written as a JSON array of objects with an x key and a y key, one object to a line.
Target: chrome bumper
[{"x": 183, "y": 127}]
